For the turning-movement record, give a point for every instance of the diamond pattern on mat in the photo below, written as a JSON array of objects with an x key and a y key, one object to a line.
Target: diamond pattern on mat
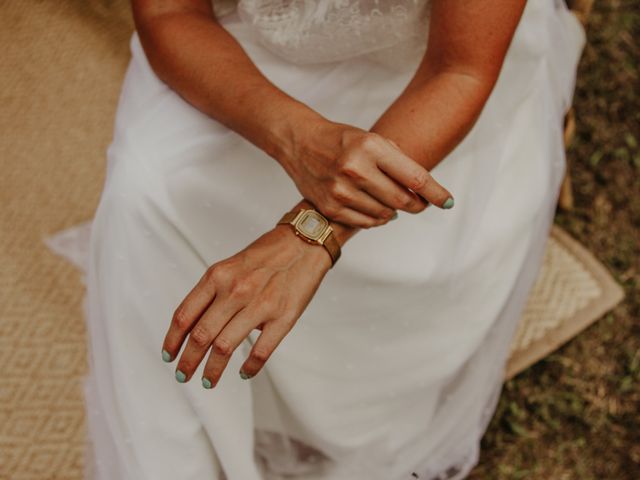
[
  {"x": 39, "y": 460},
  {"x": 22, "y": 426},
  {"x": 563, "y": 287}
]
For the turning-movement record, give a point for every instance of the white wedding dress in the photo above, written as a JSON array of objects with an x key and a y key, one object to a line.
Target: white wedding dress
[{"x": 394, "y": 369}]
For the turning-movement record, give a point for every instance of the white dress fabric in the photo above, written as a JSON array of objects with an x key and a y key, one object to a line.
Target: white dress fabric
[{"x": 394, "y": 369}]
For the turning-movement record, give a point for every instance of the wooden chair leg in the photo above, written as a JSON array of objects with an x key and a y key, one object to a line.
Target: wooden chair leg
[
  {"x": 581, "y": 9},
  {"x": 565, "y": 200}
]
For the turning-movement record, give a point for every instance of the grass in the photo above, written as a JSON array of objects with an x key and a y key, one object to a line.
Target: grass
[{"x": 576, "y": 414}]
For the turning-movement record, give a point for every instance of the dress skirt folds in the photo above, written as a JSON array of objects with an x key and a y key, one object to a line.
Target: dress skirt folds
[{"x": 394, "y": 369}]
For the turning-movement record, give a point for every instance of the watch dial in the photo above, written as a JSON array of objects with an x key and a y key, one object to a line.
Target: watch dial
[{"x": 312, "y": 225}]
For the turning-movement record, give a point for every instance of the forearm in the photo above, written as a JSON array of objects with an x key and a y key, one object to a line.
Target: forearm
[
  {"x": 467, "y": 45},
  {"x": 195, "y": 56},
  {"x": 431, "y": 117}
]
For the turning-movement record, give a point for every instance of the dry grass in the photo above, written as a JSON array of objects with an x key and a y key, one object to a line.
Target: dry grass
[{"x": 576, "y": 414}]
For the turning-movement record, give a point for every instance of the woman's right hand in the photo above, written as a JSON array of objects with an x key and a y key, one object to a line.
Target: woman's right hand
[{"x": 360, "y": 178}]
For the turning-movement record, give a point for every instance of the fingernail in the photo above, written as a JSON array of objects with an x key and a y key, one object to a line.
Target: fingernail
[
  {"x": 395, "y": 215},
  {"x": 206, "y": 383},
  {"x": 180, "y": 376},
  {"x": 166, "y": 356},
  {"x": 448, "y": 203},
  {"x": 244, "y": 375}
]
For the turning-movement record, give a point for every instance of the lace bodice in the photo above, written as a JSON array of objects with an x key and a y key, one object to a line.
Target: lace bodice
[{"x": 393, "y": 32}]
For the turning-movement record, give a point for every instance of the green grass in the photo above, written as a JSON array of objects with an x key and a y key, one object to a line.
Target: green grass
[{"x": 576, "y": 414}]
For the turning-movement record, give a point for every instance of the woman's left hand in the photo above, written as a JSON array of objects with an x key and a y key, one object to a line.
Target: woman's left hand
[{"x": 265, "y": 286}]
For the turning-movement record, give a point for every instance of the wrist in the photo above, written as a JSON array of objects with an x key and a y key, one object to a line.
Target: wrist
[
  {"x": 317, "y": 230},
  {"x": 340, "y": 231},
  {"x": 291, "y": 129},
  {"x": 316, "y": 255}
]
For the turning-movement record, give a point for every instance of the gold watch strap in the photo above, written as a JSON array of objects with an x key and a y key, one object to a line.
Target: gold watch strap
[
  {"x": 333, "y": 247},
  {"x": 288, "y": 217},
  {"x": 330, "y": 243}
]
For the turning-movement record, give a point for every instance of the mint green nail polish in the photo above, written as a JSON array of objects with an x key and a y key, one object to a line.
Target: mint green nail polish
[
  {"x": 395, "y": 215},
  {"x": 206, "y": 383},
  {"x": 244, "y": 375},
  {"x": 180, "y": 376},
  {"x": 448, "y": 203},
  {"x": 166, "y": 356}
]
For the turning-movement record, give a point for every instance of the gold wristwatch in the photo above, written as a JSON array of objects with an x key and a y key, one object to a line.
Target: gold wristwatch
[{"x": 312, "y": 226}]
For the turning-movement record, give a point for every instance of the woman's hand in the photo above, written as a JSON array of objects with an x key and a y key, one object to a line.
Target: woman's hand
[
  {"x": 359, "y": 178},
  {"x": 265, "y": 286}
]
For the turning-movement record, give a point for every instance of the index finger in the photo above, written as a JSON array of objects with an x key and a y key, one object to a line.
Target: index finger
[
  {"x": 186, "y": 315},
  {"x": 414, "y": 176}
]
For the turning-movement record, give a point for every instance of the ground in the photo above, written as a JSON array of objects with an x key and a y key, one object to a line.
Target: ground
[{"x": 576, "y": 414}]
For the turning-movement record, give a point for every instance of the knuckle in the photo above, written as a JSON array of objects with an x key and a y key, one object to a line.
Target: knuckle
[
  {"x": 334, "y": 187},
  {"x": 269, "y": 307},
  {"x": 370, "y": 143},
  {"x": 180, "y": 319},
  {"x": 332, "y": 210},
  {"x": 260, "y": 354},
  {"x": 386, "y": 214},
  {"x": 347, "y": 161},
  {"x": 222, "y": 346},
  {"x": 402, "y": 201},
  {"x": 286, "y": 320},
  {"x": 200, "y": 337},
  {"x": 413, "y": 205},
  {"x": 341, "y": 194},
  {"x": 216, "y": 273},
  {"x": 342, "y": 217},
  {"x": 409, "y": 203},
  {"x": 417, "y": 207},
  {"x": 351, "y": 166},
  {"x": 419, "y": 180},
  {"x": 368, "y": 223},
  {"x": 241, "y": 288}
]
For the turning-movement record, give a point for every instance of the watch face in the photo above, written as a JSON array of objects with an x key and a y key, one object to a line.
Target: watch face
[{"x": 312, "y": 225}]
